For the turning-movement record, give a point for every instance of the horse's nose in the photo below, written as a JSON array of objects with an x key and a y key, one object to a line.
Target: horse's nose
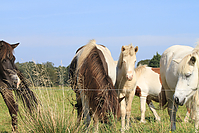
[
  {"x": 129, "y": 75},
  {"x": 177, "y": 100}
]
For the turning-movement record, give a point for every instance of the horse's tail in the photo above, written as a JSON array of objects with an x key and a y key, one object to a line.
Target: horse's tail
[
  {"x": 162, "y": 99},
  {"x": 24, "y": 93}
]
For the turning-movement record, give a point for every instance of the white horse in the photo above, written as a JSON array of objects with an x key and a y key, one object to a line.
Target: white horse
[
  {"x": 126, "y": 82},
  {"x": 179, "y": 73},
  {"x": 93, "y": 75},
  {"x": 148, "y": 88}
]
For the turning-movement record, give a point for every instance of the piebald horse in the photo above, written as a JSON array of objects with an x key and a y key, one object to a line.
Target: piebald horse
[
  {"x": 148, "y": 88},
  {"x": 179, "y": 73},
  {"x": 93, "y": 75},
  {"x": 126, "y": 82}
]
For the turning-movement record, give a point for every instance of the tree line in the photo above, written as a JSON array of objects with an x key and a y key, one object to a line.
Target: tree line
[
  {"x": 46, "y": 74},
  {"x": 154, "y": 62}
]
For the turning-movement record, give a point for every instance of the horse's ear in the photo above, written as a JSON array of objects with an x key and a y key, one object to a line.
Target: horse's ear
[
  {"x": 123, "y": 48},
  {"x": 1, "y": 44},
  {"x": 136, "y": 49},
  {"x": 192, "y": 60},
  {"x": 177, "y": 60},
  {"x": 14, "y": 45}
]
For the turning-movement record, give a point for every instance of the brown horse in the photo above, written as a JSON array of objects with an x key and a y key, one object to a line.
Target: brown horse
[
  {"x": 12, "y": 79},
  {"x": 93, "y": 73}
]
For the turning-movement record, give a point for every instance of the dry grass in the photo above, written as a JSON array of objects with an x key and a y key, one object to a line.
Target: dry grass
[{"x": 57, "y": 115}]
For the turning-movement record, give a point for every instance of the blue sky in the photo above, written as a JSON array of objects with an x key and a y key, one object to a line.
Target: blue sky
[{"x": 52, "y": 30}]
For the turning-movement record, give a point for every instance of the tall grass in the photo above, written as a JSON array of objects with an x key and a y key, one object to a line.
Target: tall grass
[{"x": 55, "y": 114}]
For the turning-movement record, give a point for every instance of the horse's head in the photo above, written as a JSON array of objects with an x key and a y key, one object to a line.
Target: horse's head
[
  {"x": 187, "y": 78},
  {"x": 127, "y": 61},
  {"x": 8, "y": 70}
]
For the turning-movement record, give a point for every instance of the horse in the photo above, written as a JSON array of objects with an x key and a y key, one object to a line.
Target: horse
[
  {"x": 93, "y": 74},
  {"x": 148, "y": 89},
  {"x": 126, "y": 82},
  {"x": 179, "y": 73},
  {"x": 12, "y": 79},
  {"x": 191, "y": 107}
]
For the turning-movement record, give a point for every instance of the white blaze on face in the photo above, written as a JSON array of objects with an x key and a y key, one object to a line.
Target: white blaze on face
[
  {"x": 129, "y": 75},
  {"x": 130, "y": 65}
]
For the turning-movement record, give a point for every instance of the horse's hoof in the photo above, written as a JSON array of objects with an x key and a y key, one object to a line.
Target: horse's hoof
[
  {"x": 122, "y": 130},
  {"x": 158, "y": 120},
  {"x": 143, "y": 121},
  {"x": 127, "y": 127}
]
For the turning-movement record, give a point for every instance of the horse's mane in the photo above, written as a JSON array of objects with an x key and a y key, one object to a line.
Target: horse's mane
[
  {"x": 183, "y": 67},
  {"x": 93, "y": 76},
  {"x": 25, "y": 93},
  {"x": 86, "y": 50},
  {"x": 125, "y": 51},
  {"x": 197, "y": 46},
  {"x": 84, "y": 45},
  {"x": 5, "y": 49},
  {"x": 139, "y": 70}
]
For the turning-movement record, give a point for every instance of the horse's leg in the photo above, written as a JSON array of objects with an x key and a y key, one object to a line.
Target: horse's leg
[
  {"x": 152, "y": 108},
  {"x": 172, "y": 109},
  {"x": 196, "y": 112},
  {"x": 186, "y": 119},
  {"x": 79, "y": 108},
  {"x": 143, "y": 108},
  {"x": 85, "y": 107},
  {"x": 188, "y": 106},
  {"x": 12, "y": 106},
  {"x": 96, "y": 123},
  {"x": 128, "y": 107},
  {"x": 123, "y": 111}
]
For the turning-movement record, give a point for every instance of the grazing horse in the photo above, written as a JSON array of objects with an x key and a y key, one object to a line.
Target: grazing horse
[
  {"x": 93, "y": 75},
  {"x": 12, "y": 79},
  {"x": 126, "y": 82},
  {"x": 148, "y": 88},
  {"x": 179, "y": 73}
]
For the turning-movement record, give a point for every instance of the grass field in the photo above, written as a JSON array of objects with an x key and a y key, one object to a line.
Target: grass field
[{"x": 57, "y": 115}]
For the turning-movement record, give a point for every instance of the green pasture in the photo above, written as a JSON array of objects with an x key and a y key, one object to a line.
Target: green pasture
[{"x": 56, "y": 114}]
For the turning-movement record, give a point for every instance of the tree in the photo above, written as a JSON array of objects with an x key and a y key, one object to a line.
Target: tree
[
  {"x": 155, "y": 61},
  {"x": 143, "y": 62},
  {"x": 44, "y": 74}
]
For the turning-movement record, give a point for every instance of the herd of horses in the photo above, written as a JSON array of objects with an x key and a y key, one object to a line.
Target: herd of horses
[{"x": 105, "y": 88}]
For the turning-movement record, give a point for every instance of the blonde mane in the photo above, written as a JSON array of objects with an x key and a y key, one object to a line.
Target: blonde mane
[
  {"x": 197, "y": 47},
  {"x": 125, "y": 51},
  {"x": 86, "y": 50},
  {"x": 139, "y": 70},
  {"x": 185, "y": 62}
]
